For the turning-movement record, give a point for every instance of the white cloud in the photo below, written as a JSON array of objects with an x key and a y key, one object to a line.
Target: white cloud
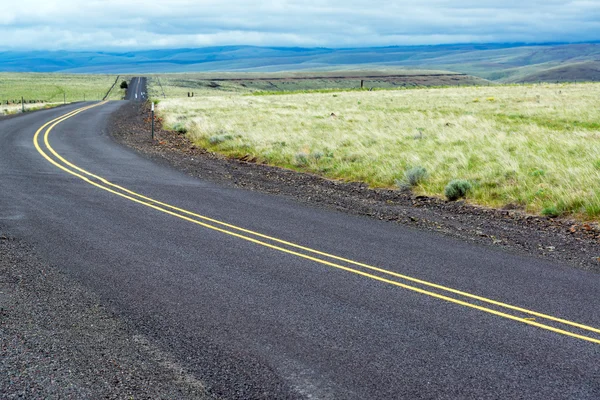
[{"x": 136, "y": 24}]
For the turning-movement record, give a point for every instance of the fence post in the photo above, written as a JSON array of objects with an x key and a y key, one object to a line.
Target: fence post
[
  {"x": 152, "y": 120},
  {"x": 22, "y": 105}
]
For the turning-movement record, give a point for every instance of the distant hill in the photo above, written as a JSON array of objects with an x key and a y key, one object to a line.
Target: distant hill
[
  {"x": 588, "y": 71},
  {"x": 500, "y": 62}
]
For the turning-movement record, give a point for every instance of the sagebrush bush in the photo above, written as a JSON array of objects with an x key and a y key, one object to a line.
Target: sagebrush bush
[
  {"x": 317, "y": 155},
  {"x": 219, "y": 139},
  {"x": 180, "y": 128},
  {"x": 457, "y": 189},
  {"x": 551, "y": 212},
  {"x": 124, "y": 85},
  {"x": 414, "y": 176},
  {"x": 301, "y": 159}
]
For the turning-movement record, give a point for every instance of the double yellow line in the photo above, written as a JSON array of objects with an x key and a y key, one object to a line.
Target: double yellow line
[{"x": 497, "y": 308}]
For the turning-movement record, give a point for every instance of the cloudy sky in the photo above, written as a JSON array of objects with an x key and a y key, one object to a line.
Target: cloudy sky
[{"x": 134, "y": 24}]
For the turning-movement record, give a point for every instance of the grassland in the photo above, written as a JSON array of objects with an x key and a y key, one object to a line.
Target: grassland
[
  {"x": 534, "y": 147},
  {"x": 179, "y": 85},
  {"x": 51, "y": 89}
]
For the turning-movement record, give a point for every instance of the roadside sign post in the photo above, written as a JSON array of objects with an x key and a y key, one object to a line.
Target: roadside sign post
[{"x": 152, "y": 120}]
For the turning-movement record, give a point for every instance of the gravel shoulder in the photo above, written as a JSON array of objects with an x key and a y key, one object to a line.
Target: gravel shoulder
[
  {"x": 57, "y": 341},
  {"x": 572, "y": 242}
]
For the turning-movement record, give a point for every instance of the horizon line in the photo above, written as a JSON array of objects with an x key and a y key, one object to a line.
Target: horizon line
[{"x": 506, "y": 44}]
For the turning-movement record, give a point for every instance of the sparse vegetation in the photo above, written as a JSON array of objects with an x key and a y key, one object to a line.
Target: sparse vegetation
[{"x": 533, "y": 146}]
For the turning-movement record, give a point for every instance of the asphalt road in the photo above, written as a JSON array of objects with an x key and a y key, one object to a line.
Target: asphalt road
[
  {"x": 254, "y": 317},
  {"x": 137, "y": 89}
]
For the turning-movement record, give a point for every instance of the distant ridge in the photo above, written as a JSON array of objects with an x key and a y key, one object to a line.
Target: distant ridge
[{"x": 503, "y": 62}]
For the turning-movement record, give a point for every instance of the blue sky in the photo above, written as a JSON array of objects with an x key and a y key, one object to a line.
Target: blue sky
[{"x": 133, "y": 25}]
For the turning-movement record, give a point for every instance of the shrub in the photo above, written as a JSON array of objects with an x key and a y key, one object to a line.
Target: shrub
[
  {"x": 317, "y": 155},
  {"x": 414, "y": 176},
  {"x": 124, "y": 85},
  {"x": 180, "y": 128},
  {"x": 457, "y": 189},
  {"x": 538, "y": 172},
  {"x": 219, "y": 139},
  {"x": 551, "y": 212},
  {"x": 301, "y": 159}
]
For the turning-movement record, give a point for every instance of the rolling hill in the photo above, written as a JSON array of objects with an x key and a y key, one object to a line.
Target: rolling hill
[{"x": 499, "y": 62}]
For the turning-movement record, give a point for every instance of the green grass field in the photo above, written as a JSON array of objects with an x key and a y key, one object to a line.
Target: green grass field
[
  {"x": 534, "y": 147},
  {"x": 51, "y": 89}
]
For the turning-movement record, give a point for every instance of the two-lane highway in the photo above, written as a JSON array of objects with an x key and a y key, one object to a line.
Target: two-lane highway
[
  {"x": 259, "y": 296},
  {"x": 137, "y": 90}
]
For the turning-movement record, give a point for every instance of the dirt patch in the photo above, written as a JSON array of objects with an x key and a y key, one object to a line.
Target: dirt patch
[{"x": 560, "y": 239}]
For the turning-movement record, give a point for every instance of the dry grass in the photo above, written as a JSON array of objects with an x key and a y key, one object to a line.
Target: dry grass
[
  {"x": 210, "y": 84},
  {"x": 534, "y": 147},
  {"x": 16, "y": 108},
  {"x": 52, "y": 89}
]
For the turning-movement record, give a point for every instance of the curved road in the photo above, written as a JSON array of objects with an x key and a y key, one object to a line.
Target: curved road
[{"x": 262, "y": 297}]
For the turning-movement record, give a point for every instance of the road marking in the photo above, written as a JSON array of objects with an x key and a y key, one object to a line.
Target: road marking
[
  {"x": 186, "y": 215},
  {"x": 137, "y": 87}
]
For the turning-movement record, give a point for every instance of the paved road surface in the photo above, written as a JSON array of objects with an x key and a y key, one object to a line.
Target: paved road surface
[
  {"x": 137, "y": 90},
  {"x": 252, "y": 316}
]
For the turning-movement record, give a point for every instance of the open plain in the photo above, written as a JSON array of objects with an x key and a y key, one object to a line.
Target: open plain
[{"x": 530, "y": 147}]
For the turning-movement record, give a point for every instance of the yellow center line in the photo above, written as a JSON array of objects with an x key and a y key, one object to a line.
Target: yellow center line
[{"x": 177, "y": 212}]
